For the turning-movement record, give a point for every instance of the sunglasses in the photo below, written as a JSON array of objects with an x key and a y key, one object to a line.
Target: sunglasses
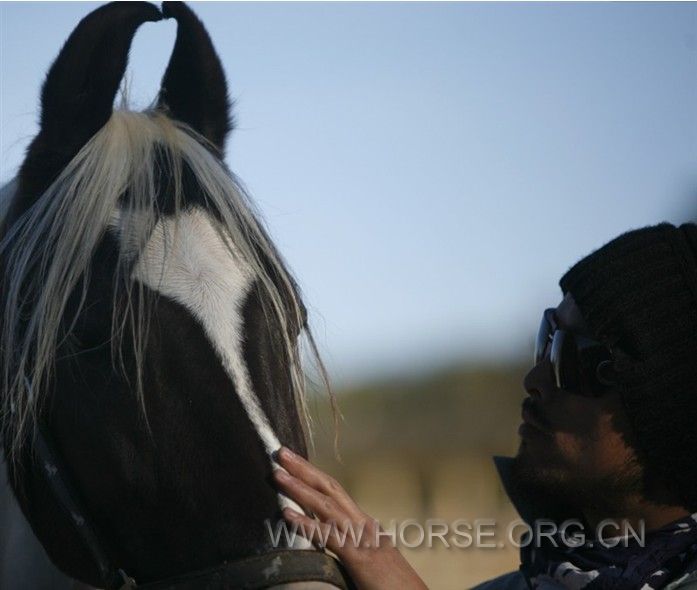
[{"x": 579, "y": 364}]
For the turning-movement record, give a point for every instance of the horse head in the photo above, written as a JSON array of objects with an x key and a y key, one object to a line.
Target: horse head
[{"x": 149, "y": 324}]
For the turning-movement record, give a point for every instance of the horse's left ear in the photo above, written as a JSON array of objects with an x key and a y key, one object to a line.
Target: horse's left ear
[{"x": 194, "y": 89}]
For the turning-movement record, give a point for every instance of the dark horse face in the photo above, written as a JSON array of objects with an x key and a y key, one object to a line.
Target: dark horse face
[{"x": 149, "y": 323}]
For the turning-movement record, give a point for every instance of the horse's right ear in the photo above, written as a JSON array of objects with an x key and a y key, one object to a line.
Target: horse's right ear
[{"x": 78, "y": 95}]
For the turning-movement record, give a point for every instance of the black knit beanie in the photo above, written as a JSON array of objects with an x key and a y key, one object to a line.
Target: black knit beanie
[{"x": 638, "y": 294}]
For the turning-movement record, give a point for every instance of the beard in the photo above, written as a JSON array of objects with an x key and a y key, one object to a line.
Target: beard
[{"x": 565, "y": 489}]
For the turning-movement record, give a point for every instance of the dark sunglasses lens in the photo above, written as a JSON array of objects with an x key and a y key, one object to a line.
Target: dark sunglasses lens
[
  {"x": 564, "y": 359},
  {"x": 542, "y": 339},
  {"x": 556, "y": 358}
]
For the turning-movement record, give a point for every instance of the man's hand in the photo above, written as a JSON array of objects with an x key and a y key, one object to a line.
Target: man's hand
[{"x": 373, "y": 562}]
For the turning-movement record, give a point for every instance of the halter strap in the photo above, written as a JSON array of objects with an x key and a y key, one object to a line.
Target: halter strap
[
  {"x": 63, "y": 493},
  {"x": 255, "y": 572}
]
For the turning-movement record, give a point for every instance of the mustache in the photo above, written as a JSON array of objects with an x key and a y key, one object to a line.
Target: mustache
[{"x": 533, "y": 408}]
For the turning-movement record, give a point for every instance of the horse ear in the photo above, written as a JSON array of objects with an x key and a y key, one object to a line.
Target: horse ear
[
  {"x": 77, "y": 98},
  {"x": 78, "y": 95},
  {"x": 194, "y": 89}
]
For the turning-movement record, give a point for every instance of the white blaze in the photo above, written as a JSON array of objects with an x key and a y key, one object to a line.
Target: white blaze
[{"x": 187, "y": 260}]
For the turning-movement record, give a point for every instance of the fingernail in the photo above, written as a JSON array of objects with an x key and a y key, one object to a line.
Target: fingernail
[
  {"x": 290, "y": 513},
  {"x": 281, "y": 474},
  {"x": 286, "y": 453}
]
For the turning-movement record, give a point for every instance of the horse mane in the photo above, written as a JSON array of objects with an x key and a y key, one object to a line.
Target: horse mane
[{"x": 111, "y": 184}]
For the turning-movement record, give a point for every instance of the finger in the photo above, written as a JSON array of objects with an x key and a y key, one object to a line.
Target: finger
[
  {"x": 325, "y": 507},
  {"x": 317, "y": 479},
  {"x": 321, "y": 534}
]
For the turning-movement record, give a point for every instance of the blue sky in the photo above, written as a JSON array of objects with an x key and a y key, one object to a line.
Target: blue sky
[{"x": 429, "y": 170}]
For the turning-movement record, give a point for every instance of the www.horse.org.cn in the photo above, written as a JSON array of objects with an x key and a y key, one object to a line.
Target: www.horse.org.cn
[{"x": 481, "y": 533}]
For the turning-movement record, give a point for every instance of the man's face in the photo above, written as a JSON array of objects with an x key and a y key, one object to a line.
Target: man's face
[{"x": 572, "y": 446}]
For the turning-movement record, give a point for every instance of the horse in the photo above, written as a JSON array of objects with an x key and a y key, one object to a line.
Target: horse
[{"x": 151, "y": 341}]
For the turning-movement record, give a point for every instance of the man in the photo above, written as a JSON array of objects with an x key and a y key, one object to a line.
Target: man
[{"x": 609, "y": 432}]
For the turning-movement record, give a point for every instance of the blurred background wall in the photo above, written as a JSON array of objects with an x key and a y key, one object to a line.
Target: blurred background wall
[{"x": 429, "y": 171}]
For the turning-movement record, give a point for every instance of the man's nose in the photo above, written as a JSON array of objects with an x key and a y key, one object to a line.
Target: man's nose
[{"x": 538, "y": 382}]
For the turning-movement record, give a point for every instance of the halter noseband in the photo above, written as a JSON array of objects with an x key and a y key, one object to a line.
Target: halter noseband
[{"x": 255, "y": 572}]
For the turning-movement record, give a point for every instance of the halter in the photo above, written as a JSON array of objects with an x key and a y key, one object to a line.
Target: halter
[{"x": 255, "y": 572}]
